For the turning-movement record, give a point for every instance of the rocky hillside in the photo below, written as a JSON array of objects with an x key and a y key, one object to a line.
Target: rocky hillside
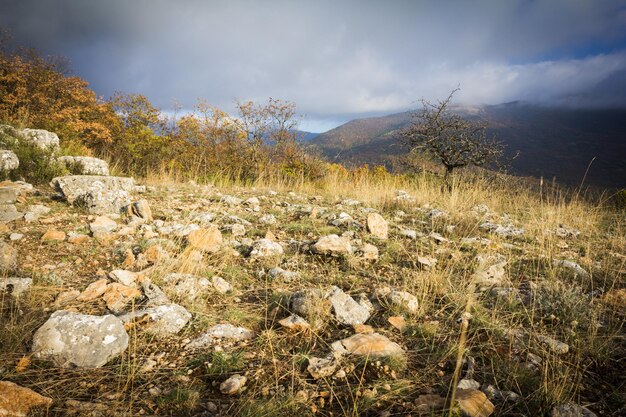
[
  {"x": 553, "y": 142},
  {"x": 170, "y": 299}
]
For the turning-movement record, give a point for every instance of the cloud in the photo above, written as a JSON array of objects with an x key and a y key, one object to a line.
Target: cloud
[{"x": 336, "y": 60}]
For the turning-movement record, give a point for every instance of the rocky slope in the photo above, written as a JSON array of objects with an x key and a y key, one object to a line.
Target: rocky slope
[{"x": 186, "y": 299}]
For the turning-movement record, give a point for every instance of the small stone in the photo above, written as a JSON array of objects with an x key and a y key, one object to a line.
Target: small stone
[
  {"x": 125, "y": 277},
  {"x": 571, "y": 410},
  {"x": 370, "y": 252},
  {"x": 363, "y": 328},
  {"x": 398, "y": 322},
  {"x": 206, "y": 239},
  {"x": 332, "y": 245},
  {"x": 17, "y": 401},
  {"x": 33, "y": 213},
  {"x": 427, "y": 403},
  {"x": 93, "y": 290},
  {"x": 102, "y": 224},
  {"x": 294, "y": 323},
  {"x": 66, "y": 297},
  {"x": 53, "y": 236},
  {"x": 373, "y": 345},
  {"x": 9, "y": 213},
  {"x": 263, "y": 248},
  {"x": 220, "y": 284},
  {"x": 77, "y": 238},
  {"x": 427, "y": 261},
  {"x": 142, "y": 210},
  {"x": 15, "y": 286},
  {"x": 233, "y": 385},
  {"x": 162, "y": 320},
  {"x": 321, "y": 367},
  {"x": 186, "y": 286},
  {"x": 377, "y": 226},
  {"x": 554, "y": 345},
  {"x": 15, "y": 236},
  {"x": 468, "y": 384},
  {"x": 237, "y": 230},
  {"x": 346, "y": 309},
  {"x": 221, "y": 332},
  {"x": 474, "y": 403},
  {"x": 8, "y": 257},
  {"x": 267, "y": 219},
  {"x": 118, "y": 296}
]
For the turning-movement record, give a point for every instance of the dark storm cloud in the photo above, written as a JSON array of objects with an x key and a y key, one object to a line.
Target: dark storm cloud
[{"x": 335, "y": 59}]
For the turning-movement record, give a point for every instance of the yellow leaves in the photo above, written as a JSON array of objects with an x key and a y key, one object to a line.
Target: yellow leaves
[{"x": 22, "y": 364}]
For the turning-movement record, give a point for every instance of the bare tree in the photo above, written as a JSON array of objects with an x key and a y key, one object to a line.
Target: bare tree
[{"x": 450, "y": 138}]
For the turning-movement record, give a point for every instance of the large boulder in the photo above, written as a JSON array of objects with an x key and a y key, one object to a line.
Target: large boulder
[
  {"x": 85, "y": 165},
  {"x": 8, "y": 161},
  {"x": 99, "y": 194},
  {"x": 40, "y": 138},
  {"x": 79, "y": 340}
]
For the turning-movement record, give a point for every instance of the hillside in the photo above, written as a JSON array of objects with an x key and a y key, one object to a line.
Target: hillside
[
  {"x": 553, "y": 142},
  {"x": 362, "y": 294}
]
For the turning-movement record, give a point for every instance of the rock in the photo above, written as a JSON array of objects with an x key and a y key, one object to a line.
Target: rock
[
  {"x": 102, "y": 224},
  {"x": 142, "y": 210},
  {"x": 427, "y": 261},
  {"x": 220, "y": 284},
  {"x": 437, "y": 237},
  {"x": 573, "y": 267},
  {"x": 321, "y": 367},
  {"x": 93, "y": 291},
  {"x": 162, "y": 320},
  {"x": 346, "y": 309},
  {"x": 294, "y": 323},
  {"x": 15, "y": 236},
  {"x": 554, "y": 345},
  {"x": 616, "y": 298},
  {"x": 154, "y": 294},
  {"x": 8, "y": 161},
  {"x": 496, "y": 395},
  {"x": 33, "y": 213},
  {"x": 377, "y": 226},
  {"x": 118, "y": 296},
  {"x": 267, "y": 219},
  {"x": 428, "y": 403},
  {"x": 231, "y": 200},
  {"x": 15, "y": 286},
  {"x": 571, "y": 410},
  {"x": 332, "y": 245},
  {"x": 9, "y": 213},
  {"x": 279, "y": 273},
  {"x": 373, "y": 345},
  {"x": 99, "y": 194},
  {"x": 186, "y": 286},
  {"x": 16, "y": 401},
  {"x": 8, "y": 257},
  {"x": 263, "y": 248},
  {"x": 500, "y": 230},
  {"x": 8, "y": 195},
  {"x": 40, "y": 138},
  {"x": 564, "y": 232},
  {"x": 53, "y": 236},
  {"x": 490, "y": 271},
  {"x": 73, "y": 339},
  {"x": 468, "y": 384},
  {"x": 370, "y": 252},
  {"x": 122, "y": 276},
  {"x": 401, "y": 299},
  {"x": 85, "y": 165},
  {"x": 474, "y": 403},
  {"x": 221, "y": 333},
  {"x": 398, "y": 322},
  {"x": 233, "y": 385},
  {"x": 66, "y": 297},
  {"x": 77, "y": 238},
  {"x": 237, "y": 230},
  {"x": 206, "y": 239}
]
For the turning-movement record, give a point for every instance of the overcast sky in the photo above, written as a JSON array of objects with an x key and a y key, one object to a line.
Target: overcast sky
[{"x": 337, "y": 60}]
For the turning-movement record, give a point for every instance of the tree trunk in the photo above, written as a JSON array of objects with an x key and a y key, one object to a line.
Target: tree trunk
[{"x": 447, "y": 178}]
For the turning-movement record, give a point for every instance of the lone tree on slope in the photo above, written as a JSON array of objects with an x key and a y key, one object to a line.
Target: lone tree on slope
[{"x": 449, "y": 138}]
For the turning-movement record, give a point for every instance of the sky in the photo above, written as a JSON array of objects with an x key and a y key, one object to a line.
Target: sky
[{"x": 337, "y": 60}]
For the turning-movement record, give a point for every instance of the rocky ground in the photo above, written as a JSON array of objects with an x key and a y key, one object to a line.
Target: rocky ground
[{"x": 198, "y": 300}]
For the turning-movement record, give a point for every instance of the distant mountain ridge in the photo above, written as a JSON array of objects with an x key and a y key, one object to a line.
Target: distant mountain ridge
[{"x": 553, "y": 142}]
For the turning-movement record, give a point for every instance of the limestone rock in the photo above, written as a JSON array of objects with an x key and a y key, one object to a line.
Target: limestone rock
[
  {"x": 220, "y": 284},
  {"x": 53, "y": 236},
  {"x": 8, "y": 257},
  {"x": 401, "y": 299},
  {"x": 310, "y": 303},
  {"x": 162, "y": 320},
  {"x": 221, "y": 333},
  {"x": 206, "y": 239},
  {"x": 16, "y": 401},
  {"x": 122, "y": 276},
  {"x": 15, "y": 286},
  {"x": 8, "y": 195},
  {"x": 118, "y": 296},
  {"x": 99, "y": 194},
  {"x": 267, "y": 219},
  {"x": 321, "y": 367},
  {"x": 264, "y": 248},
  {"x": 294, "y": 323},
  {"x": 279, "y": 273},
  {"x": 8, "y": 161},
  {"x": 102, "y": 224},
  {"x": 370, "y": 252},
  {"x": 374, "y": 345},
  {"x": 377, "y": 226},
  {"x": 490, "y": 271},
  {"x": 142, "y": 210},
  {"x": 72, "y": 339},
  {"x": 346, "y": 309},
  {"x": 427, "y": 403},
  {"x": 33, "y": 213},
  {"x": 93, "y": 290},
  {"x": 474, "y": 403},
  {"x": 554, "y": 345},
  {"x": 9, "y": 213},
  {"x": 233, "y": 385},
  {"x": 186, "y": 286},
  {"x": 40, "y": 138},
  {"x": 332, "y": 245},
  {"x": 85, "y": 165},
  {"x": 154, "y": 294},
  {"x": 573, "y": 267}
]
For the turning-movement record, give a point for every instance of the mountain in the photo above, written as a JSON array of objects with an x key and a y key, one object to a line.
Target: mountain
[
  {"x": 306, "y": 136},
  {"x": 552, "y": 142}
]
